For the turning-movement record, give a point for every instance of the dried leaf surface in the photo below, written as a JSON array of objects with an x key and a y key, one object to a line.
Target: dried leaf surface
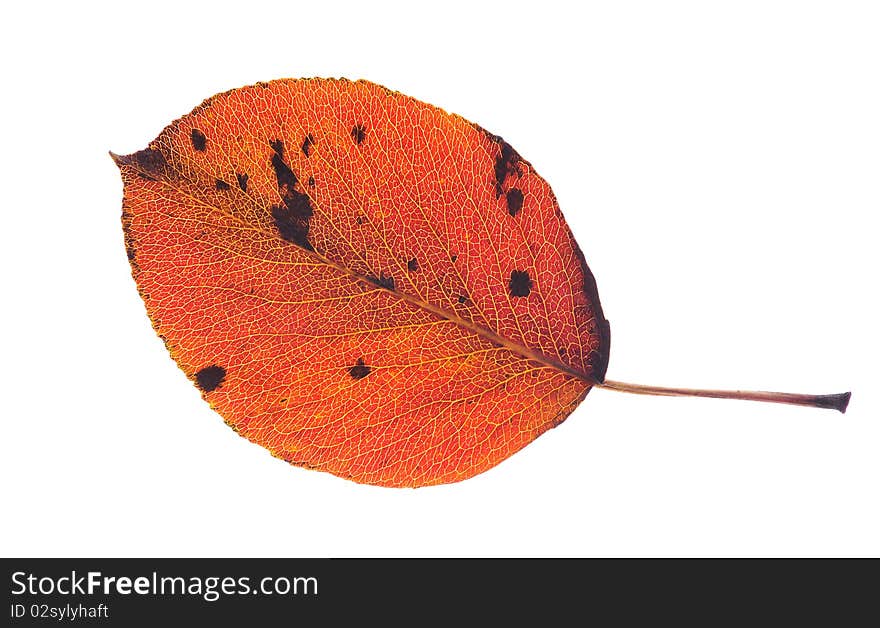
[{"x": 361, "y": 282}]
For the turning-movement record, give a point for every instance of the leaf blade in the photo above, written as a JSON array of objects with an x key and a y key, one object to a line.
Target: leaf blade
[{"x": 225, "y": 283}]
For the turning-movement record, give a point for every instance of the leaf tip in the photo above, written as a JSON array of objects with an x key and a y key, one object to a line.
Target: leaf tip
[{"x": 148, "y": 163}]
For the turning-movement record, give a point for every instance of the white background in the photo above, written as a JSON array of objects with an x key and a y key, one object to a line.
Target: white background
[{"x": 718, "y": 163}]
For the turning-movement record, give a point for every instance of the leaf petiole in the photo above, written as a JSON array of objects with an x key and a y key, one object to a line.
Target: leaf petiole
[{"x": 837, "y": 401}]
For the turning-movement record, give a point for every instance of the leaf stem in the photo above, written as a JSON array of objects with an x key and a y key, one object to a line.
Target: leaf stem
[{"x": 837, "y": 401}]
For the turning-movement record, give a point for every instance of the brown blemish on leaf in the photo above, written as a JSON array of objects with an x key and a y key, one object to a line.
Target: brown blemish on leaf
[
  {"x": 199, "y": 141},
  {"x": 507, "y": 161},
  {"x": 514, "y": 201},
  {"x": 292, "y": 219},
  {"x": 520, "y": 283},
  {"x": 383, "y": 281},
  {"x": 284, "y": 175},
  {"x": 129, "y": 240},
  {"x": 307, "y": 144},
  {"x": 359, "y": 370},
  {"x": 358, "y": 133},
  {"x": 210, "y": 378}
]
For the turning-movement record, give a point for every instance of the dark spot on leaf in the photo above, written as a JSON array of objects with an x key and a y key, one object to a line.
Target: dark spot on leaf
[
  {"x": 292, "y": 218},
  {"x": 199, "y": 140},
  {"x": 520, "y": 283},
  {"x": 383, "y": 281},
  {"x": 462, "y": 299},
  {"x": 412, "y": 265},
  {"x": 307, "y": 144},
  {"x": 283, "y": 173},
  {"x": 130, "y": 252},
  {"x": 454, "y": 257},
  {"x": 242, "y": 181},
  {"x": 210, "y": 377},
  {"x": 359, "y": 220},
  {"x": 221, "y": 185},
  {"x": 514, "y": 201},
  {"x": 129, "y": 240},
  {"x": 150, "y": 160},
  {"x": 359, "y": 370},
  {"x": 506, "y": 163},
  {"x": 311, "y": 182},
  {"x": 358, "y": 132}
]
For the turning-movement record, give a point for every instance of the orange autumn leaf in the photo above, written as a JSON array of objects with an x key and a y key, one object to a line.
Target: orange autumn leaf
[
  {"x": 361, "y": 282},
  {"x": 367, "y": 285}
]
